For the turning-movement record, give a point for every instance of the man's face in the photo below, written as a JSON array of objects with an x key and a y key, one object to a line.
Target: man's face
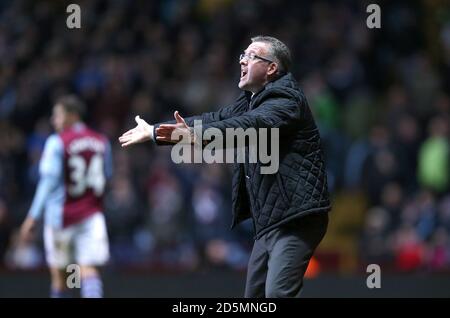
[
  {"x": 254, "y": 73},
  {"x": 59, "y": 118}
]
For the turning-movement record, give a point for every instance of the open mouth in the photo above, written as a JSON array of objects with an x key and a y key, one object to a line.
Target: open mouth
[{"x": 243, "y": 73}]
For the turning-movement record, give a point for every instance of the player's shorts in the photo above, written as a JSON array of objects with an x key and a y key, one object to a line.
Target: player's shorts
[{"x": 84, "y": 243}]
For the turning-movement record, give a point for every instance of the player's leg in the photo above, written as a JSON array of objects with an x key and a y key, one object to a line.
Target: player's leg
[
  {"x": 57, "y": 252},
  {"x": 91, "y": 282},
  {"x": 92, "y": 251},
  {"x": 58, "y": 283}
]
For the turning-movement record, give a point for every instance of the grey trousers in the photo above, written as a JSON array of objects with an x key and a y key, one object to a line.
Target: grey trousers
[{"x": 280, "y": 257}]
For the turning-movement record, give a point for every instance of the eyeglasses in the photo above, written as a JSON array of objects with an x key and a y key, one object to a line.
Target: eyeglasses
[{"x": 253, "y": 56}]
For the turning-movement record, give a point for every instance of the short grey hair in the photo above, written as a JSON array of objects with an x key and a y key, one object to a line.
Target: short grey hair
[{"x": 278, "y": 51}]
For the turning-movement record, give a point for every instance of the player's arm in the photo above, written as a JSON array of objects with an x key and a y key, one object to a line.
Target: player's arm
[
  {"x": 235, "y": 109},
  {"x": 144, "y": 132},
  {"x": 50, "y": 170},
  {"x": 277, "y": 110},
  {"x": 108, "y": 161}
]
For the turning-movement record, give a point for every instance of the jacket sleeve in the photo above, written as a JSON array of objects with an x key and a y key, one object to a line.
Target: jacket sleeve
[
  {"x": 50, "y": 170},
  {"x": 277, "y": 109},
  {"x": 224, "y": 113}
]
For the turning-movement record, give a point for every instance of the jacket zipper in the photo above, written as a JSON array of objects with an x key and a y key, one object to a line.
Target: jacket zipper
[{"x": 250, "y": 193}]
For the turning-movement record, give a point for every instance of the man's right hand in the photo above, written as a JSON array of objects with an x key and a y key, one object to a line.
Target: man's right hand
[
  {"x": 141, "y": 133},
  {"x": 27, "y": 230}
]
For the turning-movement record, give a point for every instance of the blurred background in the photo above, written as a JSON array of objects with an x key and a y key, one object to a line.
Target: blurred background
[{"x": 380, "y": 98}]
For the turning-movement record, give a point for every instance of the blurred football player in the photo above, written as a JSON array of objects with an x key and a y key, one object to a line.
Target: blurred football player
[{"x": 74, "y": 167}]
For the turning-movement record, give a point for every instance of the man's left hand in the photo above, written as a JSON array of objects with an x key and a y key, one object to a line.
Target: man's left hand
[{"x": 165, "y": 131}]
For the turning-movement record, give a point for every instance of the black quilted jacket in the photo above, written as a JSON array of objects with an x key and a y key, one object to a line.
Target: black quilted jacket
[{"x": 300, "y": 185}]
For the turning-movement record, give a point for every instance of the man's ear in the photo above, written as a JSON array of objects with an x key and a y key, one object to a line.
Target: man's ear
[{"x": 273, "y": 69}]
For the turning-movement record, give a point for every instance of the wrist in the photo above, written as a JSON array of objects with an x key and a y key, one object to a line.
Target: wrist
[{"x": 150, "y": 132}]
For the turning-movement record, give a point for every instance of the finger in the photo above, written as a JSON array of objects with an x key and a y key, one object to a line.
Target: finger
[
  {"x": 128, "y": 143},
  {"x": 124, "y": 139},
  {"x": 178, "y": 118},
  {"x": 162, "y": 138},
  {"x": 129, "y": 132},
  {"x": 165, "y": 131},
  {"x": 127, "y": 136},
  {"x": 141, "y": 122},
  {"x": 163, "y": 135},
  {"x": 167, "y": 127}
]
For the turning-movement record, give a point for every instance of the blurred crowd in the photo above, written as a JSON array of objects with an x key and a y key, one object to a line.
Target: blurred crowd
[{"x": 380, "y": 98}]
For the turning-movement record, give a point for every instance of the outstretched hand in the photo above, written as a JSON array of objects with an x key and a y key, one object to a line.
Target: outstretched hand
[
  {"x": 165, "y": 131},
  {"x": 142, "y": 132}
]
